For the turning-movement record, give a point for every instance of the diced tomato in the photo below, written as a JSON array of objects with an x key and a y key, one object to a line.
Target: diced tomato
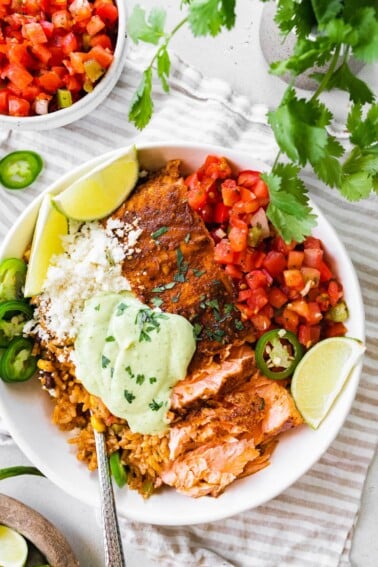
[
  {"x": 61, "y": 19},
  {"x": 4, "y": 94},
  {"x": 101, "y": 39},
  {"x": 325, "y": 272},
  {"x": 335, "y": 330},
  {"x": 197, "y": 198},
  {"x": 311, "y": 275},
  {"x": 206, "y": 213},
  {"x": 50, "y": 81},
  {"x": 69, "y": 43},
  {"x": 262, "y": 192},
  {"x": 230, "y": 192},
  {"x": 217, "y": 168},
  {"x": 223, "y": 252},
  {"x": 261, "y": 322},
  {"x": 248, "y": 178},
  {"x": 238, "y": 238},
  {"x": 18, "y": 106},
  {"x": 256, "y": 278},
  {"x": 246, "y": 260},
  {"x": 312, "y": 257},
  {"x": 107, "y": 12},
  {"x": 277, "y": 297},
  {"x": 281, "y": 246},
  {"x": 18, "y": 75},
  {"x": 300, "y": 306},
  {"x": 293, "y": 278},
  {"x": 275, "y": 263},
  {"x": 95, "y": 25},
  {"x": 335, "y": 292},
  {"x": 308, "y": 335},
  {"x": 42, "y": 53},
  {"x": 314, "y": 313},
  {"x": 295, "y": 259},
  {"x": 258, "y": 299},
  {"x": 312, "y": 242},
  {"x": 221, "y": 213},
  {"x": 102, "y": 56},
  {"x": 34, "y": 32},
  {"x": 48, "y": 28},
  {"x": 233, "y": 271},
  {"x": 289, "y": 320}
]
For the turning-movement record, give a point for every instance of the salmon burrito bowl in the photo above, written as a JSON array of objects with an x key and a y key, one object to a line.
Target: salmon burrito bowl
[{"x": 149, "y": 296}]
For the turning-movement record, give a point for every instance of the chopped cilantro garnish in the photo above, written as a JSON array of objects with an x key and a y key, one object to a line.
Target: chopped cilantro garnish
[
  {"x": 121, "y": 307},
  {"x": 105, "y": 361},
  {"x": 148, "y": 321},
  {"x": 157, "y": 301},
  {"x": 110, "y": 339},
  {"x": 152, "y": 380},
  {"x": 97, "y": 307},
  {"x": 163, "y": 287},
  {"x": 140, "y": 379},
  {"x": 159, "y": 232},
  {"x": 198, "y": 273},
  {"x": 187, "y": 238},
  {"x": 155, "y": 406},
  {"x": 129, "y": 396}
]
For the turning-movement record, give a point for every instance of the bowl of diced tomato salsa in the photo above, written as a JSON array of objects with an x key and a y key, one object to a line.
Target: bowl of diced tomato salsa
[{"x": 59, "y": 59}]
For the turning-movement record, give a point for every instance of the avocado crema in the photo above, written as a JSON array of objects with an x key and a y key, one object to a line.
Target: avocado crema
[{"x": 131, "y": 356}]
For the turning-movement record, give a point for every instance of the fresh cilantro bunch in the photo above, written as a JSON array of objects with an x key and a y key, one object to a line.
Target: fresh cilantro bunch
[{"x": 329, "y": 33}]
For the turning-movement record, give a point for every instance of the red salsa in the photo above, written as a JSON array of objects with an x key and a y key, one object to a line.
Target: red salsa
[
  {"x": 290, "y": 286},
  {"x": 53, "y": 52}
]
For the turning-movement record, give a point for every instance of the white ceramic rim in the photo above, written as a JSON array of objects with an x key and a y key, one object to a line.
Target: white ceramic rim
[
  {"x": 88, "y": 102},
  {"x": 291, "y": 458}
]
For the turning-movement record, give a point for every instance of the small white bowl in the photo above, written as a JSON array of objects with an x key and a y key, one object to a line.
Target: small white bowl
[
  {"x": 88, "y": 102},
  {"x": 298, "y": 450}
]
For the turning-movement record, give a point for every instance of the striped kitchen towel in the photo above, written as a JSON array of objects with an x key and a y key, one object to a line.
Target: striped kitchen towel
[{"x": 311, "y": 523}]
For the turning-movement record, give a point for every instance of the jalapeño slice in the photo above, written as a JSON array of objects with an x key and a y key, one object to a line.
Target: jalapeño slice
[
  {"x": 278, "y": 353},
  {"x": 19, "y": 169},
  {"x": 17, "y": 363}
]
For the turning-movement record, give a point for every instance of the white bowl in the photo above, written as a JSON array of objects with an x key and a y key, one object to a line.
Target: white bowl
[
  {"x": 26, "y": 409},
  {"x": 87, "y": 103}
]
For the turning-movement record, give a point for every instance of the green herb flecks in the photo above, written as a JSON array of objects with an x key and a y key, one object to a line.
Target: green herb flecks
[
  {"x": 121, "y": 308},
  {"x": 159, "y": 232},
  {"x": 163, "y": 287},
  {"x": 182, "y": 267},
  {"x": 152, "y": 380},
  {"x": 148, "y": 320},
  {"x": 157, "y": 301},
  {"x": 155, "y": 406},
  {"x": 105, "y": 361},
  {"x": 129, "y": 396},
  {"x": 110, "y": 339}
]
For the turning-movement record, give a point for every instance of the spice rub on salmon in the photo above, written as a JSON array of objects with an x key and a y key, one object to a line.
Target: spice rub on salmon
[{"x": 174, "y": 267}]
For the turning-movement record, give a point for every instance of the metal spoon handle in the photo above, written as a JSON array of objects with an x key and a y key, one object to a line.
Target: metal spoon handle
[{"x": 112, "y": 539}]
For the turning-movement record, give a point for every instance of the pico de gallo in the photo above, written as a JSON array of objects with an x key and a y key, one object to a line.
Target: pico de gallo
[
  {"x": 288, "y": 286},
  {"x": 53, "y": 52}
]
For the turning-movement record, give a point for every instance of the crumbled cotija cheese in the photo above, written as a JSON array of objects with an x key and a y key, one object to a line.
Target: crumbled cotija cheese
[{"x": 90, "y": 264}]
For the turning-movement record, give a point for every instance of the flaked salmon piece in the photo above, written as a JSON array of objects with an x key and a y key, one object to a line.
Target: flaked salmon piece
[
  {"x": 210, "y": 469},
  {"x": 281, "y": 413},
  {"x": 208, "y": 381},
  {"x": 175, "y": 261},
  {"x": 237, "y": 414},
  {"x": 254, "y": 414}
]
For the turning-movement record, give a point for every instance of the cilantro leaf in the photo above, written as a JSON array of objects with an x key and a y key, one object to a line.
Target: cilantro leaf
[
  {"x": 365, "y": 22},
  {"x": 149, "y": 30},
  {"x": 291, "y": 14},
  {"x": 326, "y": 10},
  {"x": 360, "y": 173},
  {"x": 328, "y": 169},
  {"x": 363, "y": 133},
  {"x": 141, "y": 107},
  {"x": 207, "y": 17},
  {"x": 345, "y": 80},
  {"x": 163, "y": 67},
  {"x": 299, "y": 128},
  {"x": 288, "y": 209}
]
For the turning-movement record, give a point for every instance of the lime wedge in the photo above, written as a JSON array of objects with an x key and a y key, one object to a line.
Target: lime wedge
[
  {"x": 13, "y": 548},
  {"x": 50, "y": 227},
  {"x": 321, "y": 374},
  {"x": 98, "y": 193}
]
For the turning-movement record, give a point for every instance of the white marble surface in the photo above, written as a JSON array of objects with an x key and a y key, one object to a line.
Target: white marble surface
[{"x": 235, "y": 57}]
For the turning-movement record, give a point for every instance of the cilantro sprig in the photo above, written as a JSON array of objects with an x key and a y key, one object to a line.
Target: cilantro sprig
[{"x": 344, "y": 29}]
